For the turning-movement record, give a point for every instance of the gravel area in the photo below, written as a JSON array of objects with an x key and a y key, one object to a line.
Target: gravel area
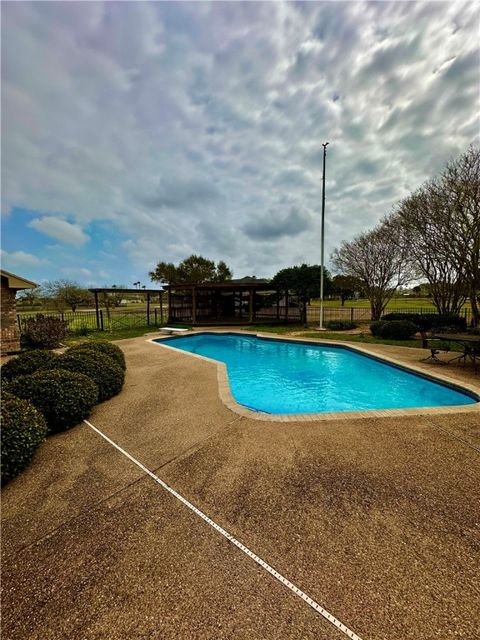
[{"x": 376, "y": 518}]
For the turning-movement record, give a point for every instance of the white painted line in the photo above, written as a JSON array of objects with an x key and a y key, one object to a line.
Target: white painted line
[{"x": 298, "y": 592}]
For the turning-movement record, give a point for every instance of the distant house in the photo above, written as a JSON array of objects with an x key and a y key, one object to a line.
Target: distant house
[{"x": 10, "y": 335}]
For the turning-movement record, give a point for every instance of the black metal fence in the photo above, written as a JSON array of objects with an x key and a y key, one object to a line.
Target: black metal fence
[
  {"x": 85, "y": 321},
  {"x": 363, "y": 314},
  {"x": 113, "y": 320}
]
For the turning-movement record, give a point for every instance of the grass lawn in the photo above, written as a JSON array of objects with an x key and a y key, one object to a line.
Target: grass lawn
[
  {"x": 119, "y": 334},
  {"x": 341, "y": 336},
  {"x": 395, "y": 303}
]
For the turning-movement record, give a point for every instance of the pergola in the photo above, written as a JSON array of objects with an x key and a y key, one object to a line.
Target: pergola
[
  {"x": 229, "y": 303},
  {"x": 148, "y": 292}
]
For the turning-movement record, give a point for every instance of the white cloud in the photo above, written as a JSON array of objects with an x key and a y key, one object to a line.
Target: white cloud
[
  {"x": 185, "y": 125},
  {"x": 21, "y": 259},
  {"x": 60, "y": 230},
  {"x": 76, "y": 272}
]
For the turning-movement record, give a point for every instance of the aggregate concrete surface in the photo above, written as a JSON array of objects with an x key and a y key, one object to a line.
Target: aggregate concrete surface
[{"x": 377, "y": 519}]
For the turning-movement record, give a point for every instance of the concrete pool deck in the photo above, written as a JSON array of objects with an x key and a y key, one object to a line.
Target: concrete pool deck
[{"x": 376, "y": 518}]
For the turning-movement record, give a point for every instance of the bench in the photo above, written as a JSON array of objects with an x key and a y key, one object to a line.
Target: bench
[{"x": 173, "y": 330}]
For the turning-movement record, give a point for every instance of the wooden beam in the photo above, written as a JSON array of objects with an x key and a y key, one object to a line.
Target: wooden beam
[
  {"x": 251, "y": 303},
  {"x": 194, "y": 305},
  {"x": 97, "y": 310}
]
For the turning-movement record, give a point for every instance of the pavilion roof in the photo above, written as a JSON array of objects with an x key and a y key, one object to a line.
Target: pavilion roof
[{"x": 119, "y": 290}]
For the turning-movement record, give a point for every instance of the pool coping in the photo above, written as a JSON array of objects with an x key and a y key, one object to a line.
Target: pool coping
[{"x": 229, "y": 401}]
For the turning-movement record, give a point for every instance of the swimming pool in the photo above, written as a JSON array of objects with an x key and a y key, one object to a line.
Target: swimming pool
[{"x": 284, "y": 377}]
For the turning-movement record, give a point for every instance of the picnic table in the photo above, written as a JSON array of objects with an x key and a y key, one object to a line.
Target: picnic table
[{"x": 470, "y": 344}]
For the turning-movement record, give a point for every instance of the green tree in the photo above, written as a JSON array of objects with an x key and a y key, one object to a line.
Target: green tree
[
  {"x": 304, "y": 282},
  {"x": 114, "y": 297},
  {"x": 66, "y": 293},
  {"x": 223, "y": 272},
  {"x": 195, "y": 269},
  {"x": 345, "y": 287}
]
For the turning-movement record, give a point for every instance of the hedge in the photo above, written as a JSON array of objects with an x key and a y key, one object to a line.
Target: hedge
[
  {"x": 398, "y": 330},
  {"x": 26, "y": 363},
  {"x": 64, "y": 398},
  {"x": 427, "y": 321},
  {"x": 23, "y": 430},
  {"x": 107, "y": 374},
  {"x": 102, "y": 346},
  {"x": 376, "y": 327},
  {"x": 340, "y": 325}
]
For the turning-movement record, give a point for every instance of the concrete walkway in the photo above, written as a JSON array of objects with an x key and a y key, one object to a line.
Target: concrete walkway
[{"x": 377, "y": 519}]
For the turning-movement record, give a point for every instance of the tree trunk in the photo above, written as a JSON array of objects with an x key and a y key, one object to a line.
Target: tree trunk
[
  {"x": 475, "y": 309},
  {"x": 303, "y": 308},
  {"x": 376, "y": 307}
]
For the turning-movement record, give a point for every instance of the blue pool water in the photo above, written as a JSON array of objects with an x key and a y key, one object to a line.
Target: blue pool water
[{"x": 284, "y": 377}]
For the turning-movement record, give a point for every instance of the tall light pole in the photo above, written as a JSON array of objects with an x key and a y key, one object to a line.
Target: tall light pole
[{"x": 324, "y": 145}]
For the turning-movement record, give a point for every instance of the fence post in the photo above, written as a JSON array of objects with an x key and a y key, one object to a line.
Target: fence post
[
  {"x": 19, "y": 323},
  {"x": 351, "y": 314},
  {"x": 101, "y": 320}
]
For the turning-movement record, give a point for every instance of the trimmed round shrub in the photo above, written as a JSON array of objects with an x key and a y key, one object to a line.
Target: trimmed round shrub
[
  {"x": 107, "y": 374},
  {"x": 107, "y": 348},
  {"x": 340, "y": 325},
  {"x": 27, "y": 362},
  {"x": 23, "y": 430},
  {"x": 376, "y": 327},
  {"x": 65, "y": 398},
  {"x": 398, "y": 330}
]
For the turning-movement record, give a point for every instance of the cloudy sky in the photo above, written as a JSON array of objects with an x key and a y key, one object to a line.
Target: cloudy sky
[{"x": 140, "y": 132}]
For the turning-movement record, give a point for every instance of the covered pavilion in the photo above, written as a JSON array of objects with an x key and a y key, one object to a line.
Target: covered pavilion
[{"x": 247, "y": 301}]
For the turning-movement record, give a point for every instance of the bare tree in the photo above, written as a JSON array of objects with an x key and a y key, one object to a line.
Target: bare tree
[
  {"x": 66, "y": 293},
  {"x": 378, "y": 261},
  {"x": 440, "y": 225},
  {"x": 460, "y": 185}
]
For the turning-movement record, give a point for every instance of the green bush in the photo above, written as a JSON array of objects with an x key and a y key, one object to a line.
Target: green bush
[
  {"x": 26, "y": 363},
  {"x": 42, "y": 332},
  {"x": 64, "y": 398},
  {"x": 340, "y": 325},
  {"x": 398, "y": 330},
  {"x": 105, "y": 372},
  {"x": 23, "y": 430},
  {"x": 102, "y": 346},
  {"x": 428, "y": 321},
  {"x": 376, "y": 327}
]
